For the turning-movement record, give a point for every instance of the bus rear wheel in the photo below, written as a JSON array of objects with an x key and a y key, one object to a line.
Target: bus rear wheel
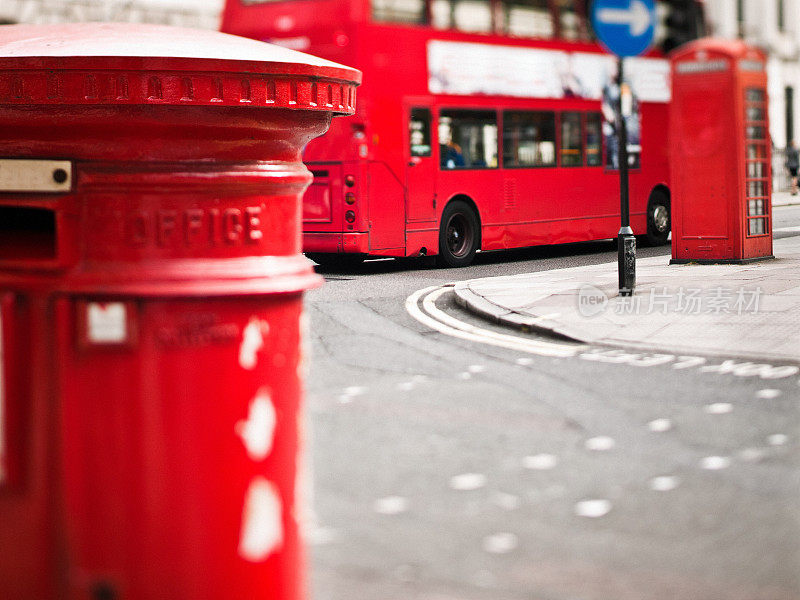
[
  {"x": 459, "y": 235},
  {"x": 658, "y": 219}
]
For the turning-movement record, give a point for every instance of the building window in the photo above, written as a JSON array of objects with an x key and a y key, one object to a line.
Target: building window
[{"x": 781, "y": 15}]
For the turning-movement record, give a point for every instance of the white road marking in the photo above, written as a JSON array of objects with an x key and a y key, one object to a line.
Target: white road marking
[
  {"x": 540, "y": 462},
  {"x": 768, "y": 394},
  {"x": 467, "y": 481},
  {"x": 718, "y": 408},
  {"x": 664, "y": 483},
  {"x": 715, "y": 463},
  {"x": 500, "y": 543},
  {"x": 778, "y": 439},
  {"x": 448, "y": 325},
  {"x": 442, "y": 322},
  {"x": 600, "y": 443},
  {"x": 476, "y": 369},
  {"x": 659, "y": 425},
  {"x": 593, "y": 508},
  {"x": 391, "y": 505}
]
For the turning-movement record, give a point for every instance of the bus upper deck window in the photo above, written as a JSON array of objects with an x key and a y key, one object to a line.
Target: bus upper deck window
[
  {"x": 529, "y": 18},
  {"x": 468, "y": 139},
  {"x": 464, "y": 15},
  {"x": 571, "y": 22},
  {"x": 399, "y": 11},
  {"x": 420, "y": 132}
]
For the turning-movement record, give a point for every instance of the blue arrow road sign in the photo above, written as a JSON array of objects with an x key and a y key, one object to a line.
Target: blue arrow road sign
[{"x": 625, "y": 27}]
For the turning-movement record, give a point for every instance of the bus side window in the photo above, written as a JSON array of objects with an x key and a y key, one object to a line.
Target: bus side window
[
  {"x": 594, "y": 140},
  {"x": 468, "y": 139},
  {"x": 571, "y": 140},
  {"x": 529, "y": 139},
  {"x": 473, "y": 16},
  {"x": 528, "y": 18},
  {"x": 419, "y": 131},
  {"x": 399, "y": 11}
]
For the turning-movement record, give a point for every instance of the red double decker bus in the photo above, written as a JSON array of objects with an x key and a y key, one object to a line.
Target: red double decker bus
[{"x": 480, "y": 125}]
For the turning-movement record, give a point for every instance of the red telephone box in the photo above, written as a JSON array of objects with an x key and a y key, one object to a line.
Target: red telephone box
[{"x": 720, "y": 154}]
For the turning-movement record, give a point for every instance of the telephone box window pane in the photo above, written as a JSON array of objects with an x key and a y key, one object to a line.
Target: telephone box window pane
[
  {"x": 468, "y": 139},
  {"x": 756, "y": 208},
  {"x": 757, "y": 226},
  {"x": 755, "y": 113},
  {"x": 756, "y": 170},
  {"x": 399, "y": 11},
  {"x": 756, "y": 188},
  {"x": 529, "y": 18},
  {"x": 420, "y": 132},
  {"x": 755, "y": 151},
  {"x": 754, "y": 95},
  {"x": 756, "y": 132},
  {"x": 594, "y": 140},
  {"x": 529, "y": 139},
  {"x": 571, "y": 136}
]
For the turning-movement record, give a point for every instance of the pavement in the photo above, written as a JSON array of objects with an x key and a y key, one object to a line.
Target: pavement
[{"x": 747, "y": 311}]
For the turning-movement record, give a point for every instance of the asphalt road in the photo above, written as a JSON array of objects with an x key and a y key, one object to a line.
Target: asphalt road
[{"x": 449, "y": 469}]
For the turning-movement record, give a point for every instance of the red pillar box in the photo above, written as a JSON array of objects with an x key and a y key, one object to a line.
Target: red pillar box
[
  {"x": 720, "y": 154},
  {"x": 150, "y": 300}
]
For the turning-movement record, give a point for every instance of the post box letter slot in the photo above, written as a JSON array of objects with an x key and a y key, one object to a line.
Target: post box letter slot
[{"x": 27, "y": 233}]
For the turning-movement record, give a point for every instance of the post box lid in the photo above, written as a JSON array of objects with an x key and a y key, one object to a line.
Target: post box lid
[{"x": 126, "y": 63}]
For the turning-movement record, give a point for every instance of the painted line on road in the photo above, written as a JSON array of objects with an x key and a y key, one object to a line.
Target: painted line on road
[{"x": 448, "y": 325}]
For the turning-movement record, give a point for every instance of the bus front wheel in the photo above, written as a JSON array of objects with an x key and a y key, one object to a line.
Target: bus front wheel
[
  {"x": 459, "y": 235},
  {"x": 658, "y": 219}
]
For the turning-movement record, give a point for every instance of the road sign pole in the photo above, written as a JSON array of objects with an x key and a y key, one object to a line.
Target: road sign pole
[
  {"x": 626, "y": 241},
  {"x": 625, "y": 28}
]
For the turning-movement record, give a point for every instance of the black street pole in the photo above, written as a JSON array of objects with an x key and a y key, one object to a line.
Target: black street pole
[{"x": 626, "y": 242}]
